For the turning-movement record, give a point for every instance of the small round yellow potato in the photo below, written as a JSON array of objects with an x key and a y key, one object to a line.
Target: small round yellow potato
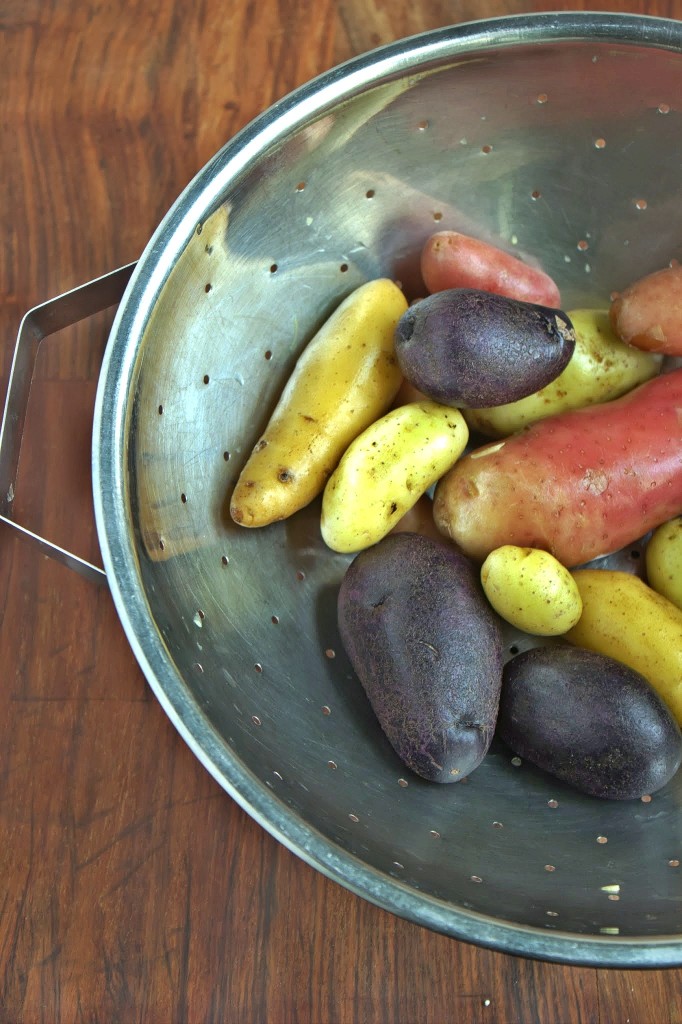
[
  {"x": 531, "y": 590},
  {"x": 664, "y": 560}
]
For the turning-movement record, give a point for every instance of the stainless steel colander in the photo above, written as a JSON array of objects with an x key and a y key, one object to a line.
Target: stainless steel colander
[{"x": 558, "y": 135}]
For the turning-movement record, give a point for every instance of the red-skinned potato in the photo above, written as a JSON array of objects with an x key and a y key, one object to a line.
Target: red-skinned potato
[
  {"x": 648, "y": 313},
  {"x": 579, "y": 485},
  {"x": 450, "y": 259}
]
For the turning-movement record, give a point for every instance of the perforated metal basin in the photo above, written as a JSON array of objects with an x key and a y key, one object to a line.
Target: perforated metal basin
[{"x": 559, "y": 136}]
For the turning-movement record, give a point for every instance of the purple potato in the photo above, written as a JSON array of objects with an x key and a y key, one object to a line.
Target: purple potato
[
  {"x": 476, "y": 349},
  {"x": 427, "y": 648},
  {"x": 588, "y": 720}
]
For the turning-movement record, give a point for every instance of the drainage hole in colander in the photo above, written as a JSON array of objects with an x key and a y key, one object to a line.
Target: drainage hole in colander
[
  {"x": 674, "y": 863},
  {"x": 326, "y": 710},
  {"x": 536, "y": 194},
  {"x": 333, "y": 765},
  {"x": 370, "y": 193},
  {"x": 225, "y": 560},
  {"x": 541, "y": 98},
  {"x": 160, "y": 410},
  {"x": 300, "y": 186},
  {"x": 199, "y": 618},
  {"x": 353, "y": 817},
  {"x": 487, "y": 148},
  {"x": 664, "y": 108},
  {"x": 330, "y": 653},
  {"x": 273, "y": 268},
  {"x": 422, "y": 126},
  {"x": 550, "y": 868},
  {"x": 183, "y": 498},
  {"x": 434, "y": 834},
  {"x": 583, "y": 245},
  {"x": 602, "y": 839},
  {"x": 641, "y": 204},
  {"x": 553, "y": 804},
  {"x": 278, "y": 776},
  {"x": 498, "y": 824},
  {"x": 256, "y": 720},
  {"x": 198, "y": 667},
  {"x": 517, "y": 762},
  {"x": 206, "y": 378},
  {"x": 207, "y": 287},
  {"x": 274, "y": 619},
  {"x": 258, "y": 667},
  {"x": 476, "y": 878},
  {"x": 437, "y": 215},
  {"x": 403, "y": 783},
  {"x": 300, "y": 575},
  {"x": 343, "y": 268},
  {"x": 599, "y": 143},
  {"x": 268, "y": 354}
]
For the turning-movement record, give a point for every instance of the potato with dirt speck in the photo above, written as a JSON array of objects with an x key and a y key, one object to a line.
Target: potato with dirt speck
[
  {"x": 602, "y": 367},
  {"x": 386, "y": 470},
  {"x": 469, "y": 348},
  {"x": 345, "y": 378},
  {"x": 427, "y": 648},
  {"x": 663, "y": 557},
  {"x": 531, "y": 590},
  {"x": 590, "y": 721}
]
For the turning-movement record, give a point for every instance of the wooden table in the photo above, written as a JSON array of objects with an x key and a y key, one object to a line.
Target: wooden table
[{"x": 133, "y": 888}]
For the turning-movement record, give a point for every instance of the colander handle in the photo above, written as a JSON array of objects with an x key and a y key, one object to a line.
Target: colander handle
[{"x": 48, "y": 318}]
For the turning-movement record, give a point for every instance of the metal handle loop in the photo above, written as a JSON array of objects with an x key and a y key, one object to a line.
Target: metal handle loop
[{"x": 41, "y": 321}]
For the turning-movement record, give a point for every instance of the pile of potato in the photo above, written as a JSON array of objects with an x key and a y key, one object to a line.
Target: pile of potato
[{"x": 584, "y": 458}]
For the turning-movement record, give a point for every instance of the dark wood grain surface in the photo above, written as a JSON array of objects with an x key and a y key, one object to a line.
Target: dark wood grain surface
[{"x": 133, "y": 889}]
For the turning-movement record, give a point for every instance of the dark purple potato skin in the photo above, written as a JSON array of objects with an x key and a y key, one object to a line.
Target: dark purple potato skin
[
  {"x": 427, "y": 648},
  {"x": 476, "y": 349},
  {"x": 588, "y": 720}
]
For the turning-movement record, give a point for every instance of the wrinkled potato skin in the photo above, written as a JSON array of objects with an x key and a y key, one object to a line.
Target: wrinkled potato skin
[
  {"x": 345, "y": 378},
  {"x": 531, "y": 590},
  {"x": 648, "y": 313},
  {"x": 625, "y": 619},
  {"x": 590, "y": 721},
  {"x": 664, "y": 560},
  {"x": 386, "y": 470},
  {"x": 601, "y": 368},
  {"x": 427, "y": 648}
]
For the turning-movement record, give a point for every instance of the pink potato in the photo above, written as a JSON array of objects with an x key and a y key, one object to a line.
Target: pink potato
[
  {"x": 579, "y": 485},
  {"x": 648, "y": 313},
  {"x": 453, "y": 260}
]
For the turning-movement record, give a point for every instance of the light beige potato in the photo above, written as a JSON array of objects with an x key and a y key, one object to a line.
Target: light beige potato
[
  {"x": 663, "y": 557},
  {"x": 531, "y": 590},
  {"x": 345, "y": 378},
  {"x": 648, "y": 313},
  {"x": 625, "y": 619},
  {"x": 601, "y": 368},
  {"x": 386, "y": 470}
]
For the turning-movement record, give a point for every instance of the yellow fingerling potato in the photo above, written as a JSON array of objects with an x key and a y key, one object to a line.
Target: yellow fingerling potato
[
  {"x": 531, "y": 590},
  {"x": 345, "y": 378},
  {"x": 663, "y": 557},
  {"x": 601, "y": 368},
  {"x": 386, "y": 470},
  {"x": 627, "y": 620}
]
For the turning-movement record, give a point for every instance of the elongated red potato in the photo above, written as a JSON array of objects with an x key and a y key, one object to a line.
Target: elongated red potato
[
  {"x": 453, "y": 260},
  {"x": 579, "y": 485},
  {"x": 648, "y": 313}
]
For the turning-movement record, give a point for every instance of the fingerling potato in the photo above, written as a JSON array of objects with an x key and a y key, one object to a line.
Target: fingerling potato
[
  {"x": 386, "y": 470},
  {"x": 345, "y": 378}
]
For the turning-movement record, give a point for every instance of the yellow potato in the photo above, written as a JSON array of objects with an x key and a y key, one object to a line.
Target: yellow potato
[
  {"x": 345, "y": 378},
  {"x": 664, "y": 560},
  {"x": 386, "y": 470},
  {"x": 531, "y": 590},
  {"x": 601, "y": 368},
  {"x": 627, "y": 620}
]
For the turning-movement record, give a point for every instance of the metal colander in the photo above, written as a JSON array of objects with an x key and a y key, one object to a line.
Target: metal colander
[{"x": 558, "y": 136}]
